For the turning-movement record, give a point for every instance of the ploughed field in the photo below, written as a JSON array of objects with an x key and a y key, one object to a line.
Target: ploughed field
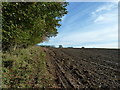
[{"x": 84, "y": 68}]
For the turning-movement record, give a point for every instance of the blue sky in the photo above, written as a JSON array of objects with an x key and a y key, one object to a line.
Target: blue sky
[{"x": 88, "y": 24}]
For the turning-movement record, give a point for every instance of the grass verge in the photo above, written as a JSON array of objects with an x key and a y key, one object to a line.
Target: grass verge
[{"x": 25, "y": 68}]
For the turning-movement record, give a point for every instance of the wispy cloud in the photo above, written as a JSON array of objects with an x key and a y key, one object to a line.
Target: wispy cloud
[
  {"x": 101, "y": 34},
  {"x": 99, "y": 37},
  {"x": 100, "y": 18},
  {"x": 106, "y": 13},
  {"x": 106, "y": 7},
  {"x": 107, "y": 17}
]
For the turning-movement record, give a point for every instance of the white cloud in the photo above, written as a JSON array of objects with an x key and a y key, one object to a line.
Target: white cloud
[
  {"x": 100, "y": 35},
  {"x": 95, "y": 37},
  {"x": 106, "y": 14},
  {"x": 106, "y": 7},
  {"x": 100, "y": 18},
  {"x": 109, "y": 17}
]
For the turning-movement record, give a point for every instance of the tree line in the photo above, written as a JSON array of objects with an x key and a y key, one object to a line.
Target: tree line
[{"x": 29, "y": 23}]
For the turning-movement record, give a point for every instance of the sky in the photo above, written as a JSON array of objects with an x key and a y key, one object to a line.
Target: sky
[{"x": 88, "y": 24}]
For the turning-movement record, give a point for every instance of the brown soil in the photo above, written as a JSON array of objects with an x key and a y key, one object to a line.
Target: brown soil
[{"x": 84, "y": 68}]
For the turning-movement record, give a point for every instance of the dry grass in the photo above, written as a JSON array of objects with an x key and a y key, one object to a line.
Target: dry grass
[{"x": 25, "y": 68}]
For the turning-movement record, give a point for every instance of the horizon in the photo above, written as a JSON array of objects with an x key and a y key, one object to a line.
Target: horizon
[
  {"x": 77, "y": 47},
  {"x": 88, "y": 24}
]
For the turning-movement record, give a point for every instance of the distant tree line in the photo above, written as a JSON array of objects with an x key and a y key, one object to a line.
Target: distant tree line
[
  {"x": 69, "y": 47},
  {"x": 48, "y": 46},
  {"x": 29, "y": 23}
]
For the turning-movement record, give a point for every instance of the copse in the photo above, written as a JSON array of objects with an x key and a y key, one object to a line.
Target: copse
[{"x": 28, "y": 23}]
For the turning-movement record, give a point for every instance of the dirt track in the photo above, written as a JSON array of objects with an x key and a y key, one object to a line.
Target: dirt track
[{"x": 84, "y": 68}]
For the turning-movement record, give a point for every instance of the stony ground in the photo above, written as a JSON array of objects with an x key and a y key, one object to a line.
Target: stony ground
[{"x": 84, "y": 68}]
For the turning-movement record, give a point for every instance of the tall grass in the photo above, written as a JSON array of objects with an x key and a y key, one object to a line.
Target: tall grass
[{"x": 25, "y": 68}]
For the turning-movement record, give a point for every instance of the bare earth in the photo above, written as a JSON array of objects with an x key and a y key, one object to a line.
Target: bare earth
[{"x": 84, "y": 68}]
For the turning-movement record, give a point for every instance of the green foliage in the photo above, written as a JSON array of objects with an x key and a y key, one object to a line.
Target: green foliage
[{"x": 27, "y": 23}]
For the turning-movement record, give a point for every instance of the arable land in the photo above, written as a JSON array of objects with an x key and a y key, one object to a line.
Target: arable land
[{"x": 84, "y": 67}]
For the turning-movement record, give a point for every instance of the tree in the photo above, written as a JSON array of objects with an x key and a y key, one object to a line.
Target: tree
[
  {"x": 60, "y": 46},
  {"x": 28, "y": 23}
]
